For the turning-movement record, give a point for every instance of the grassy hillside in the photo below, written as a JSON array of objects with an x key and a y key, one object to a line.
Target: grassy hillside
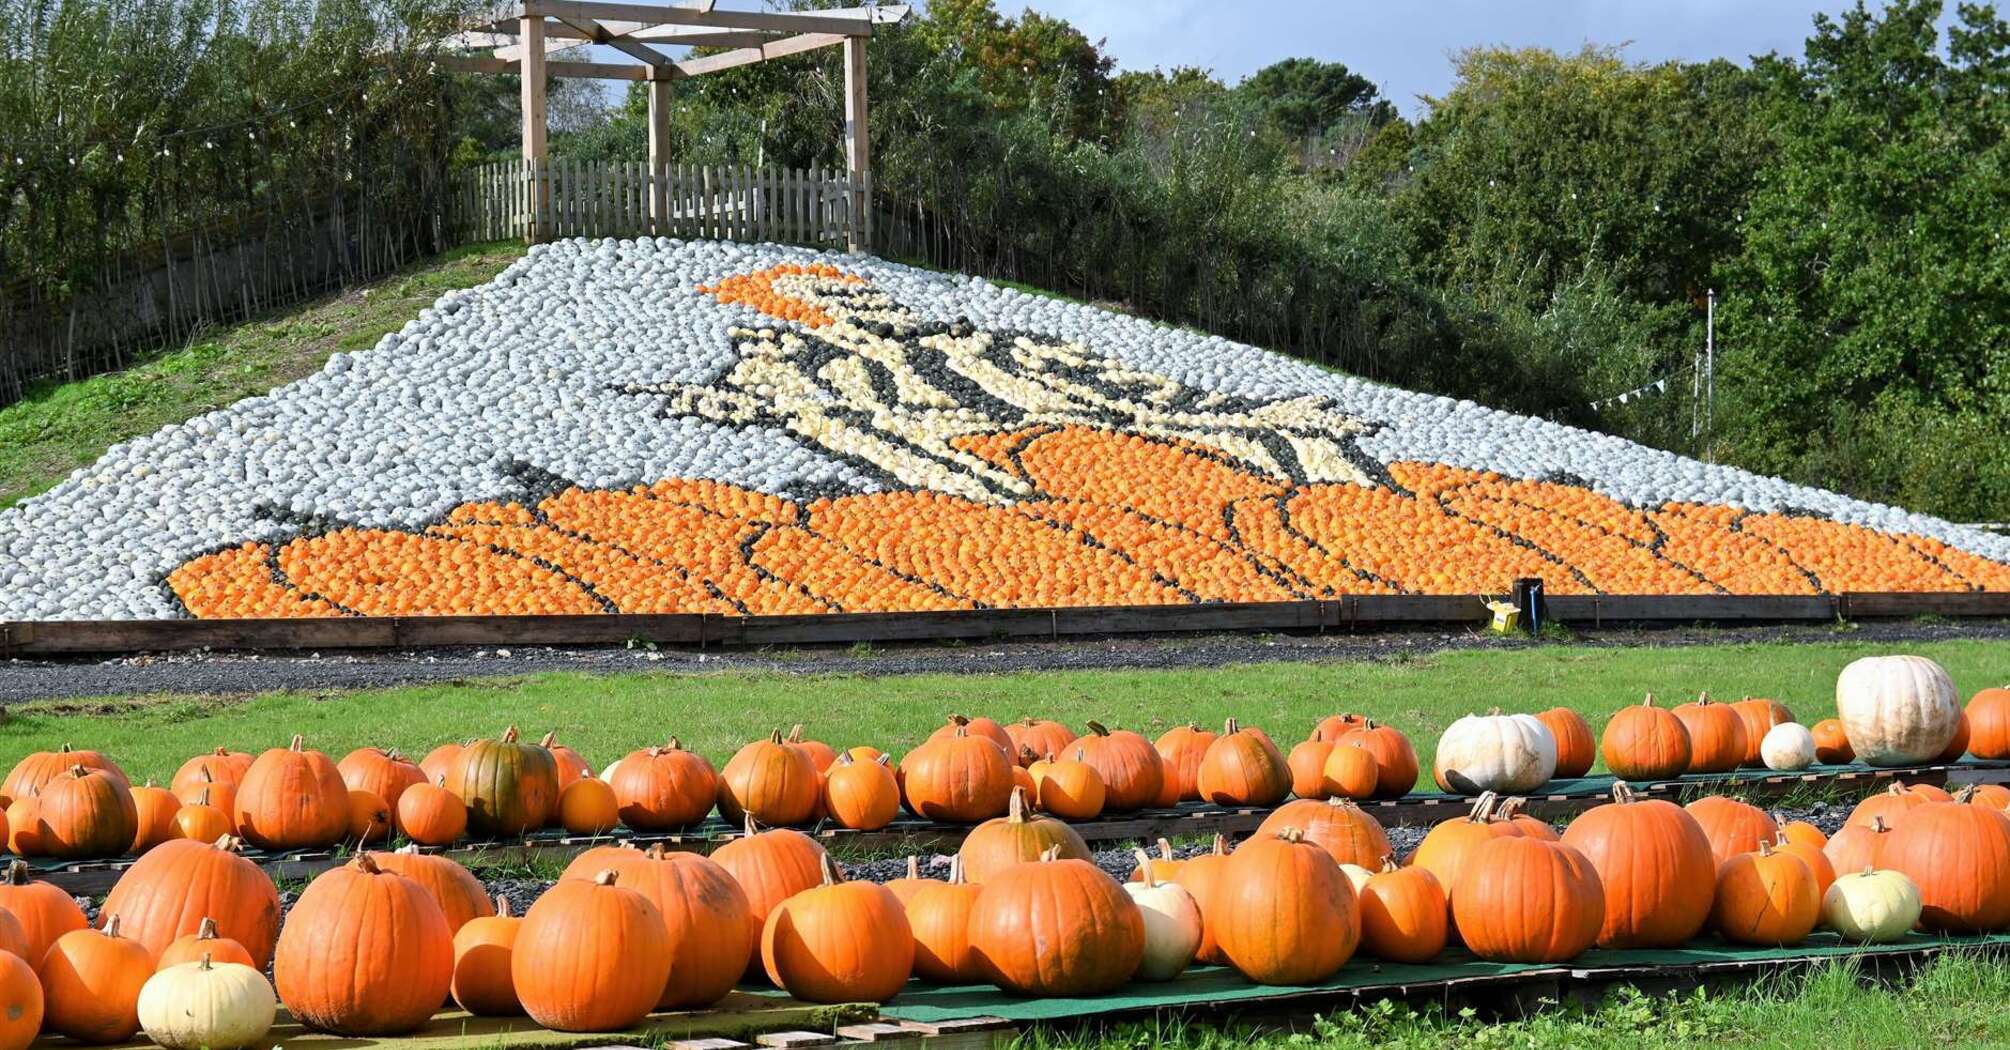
[
  {"x": 606, "y": 716},
  {"x": 62, "y": 426}
]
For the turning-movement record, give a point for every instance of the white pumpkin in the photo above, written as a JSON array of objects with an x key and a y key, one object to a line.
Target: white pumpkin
[
  {"x": 223, "y": 1006},
  {"x": 1495, "y": 752},
  {"x": 1897, "y": 710},
  {"x": 1357, "y": 877},
  {"x": 1172, "y": 925},
  {"x": 608, "y": 773},
  {"x": 1787, "y": 747},
  {"x": 1875, "y": 907}
]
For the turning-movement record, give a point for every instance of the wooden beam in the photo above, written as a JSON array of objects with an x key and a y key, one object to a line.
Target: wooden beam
[
  {"x": 659, "y": 156},
  {"x": 580, "y": 70},
  {"x": 698, "y": 36},
  {"x": 535, "y": 125},
  {"x": 850, "y": 21},
  {"x": 746, "y": 56},
  {"x": 857, "y": 136}
]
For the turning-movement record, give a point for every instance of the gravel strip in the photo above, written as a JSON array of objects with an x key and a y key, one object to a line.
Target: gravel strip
[{"x": 240, "y": 673}]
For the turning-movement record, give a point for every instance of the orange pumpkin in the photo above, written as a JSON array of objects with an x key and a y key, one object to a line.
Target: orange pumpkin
[
  {"x": 439, "y": 760},
  {"x": 905, "y": 887},
  {"x": 1994, "y": 796},
  {"x": 1802, "y": 831},
  {"x": 1130, "y": 766},
  {"x": 85, "y": 814},
  {"x": 1814, "y": 858},
  {"x": 1716, "y": 735},
  {"x": 1527, "y": 900},
  {"x": 509, "y": 786},
  {"x": 980, "y": 727},
  {"x": 588, "y": 807},
  {"x": 153, "y": 816},
  {"x": 455, "y": 889},
  {"x": 1351, "y": 772},
  {"x": 1068, "y": 788},
  {"x": 1243, "y": 768},
  {"x": 771, "y": 866},
  {"x": 1016, "y": 838},
  {"x": 1056, "y": 927},
  {"x": 1449, "y": 845},
  {"x": 1575, "y": 748},
  {"x": 590, "y": 956},
  {"x": 706, "y": 914},
  {"x": 958, "y": 778},
  {"x": 1858, "y": 847},
  {"x": 21, "y": 1003},
  {"x": 1200, "y": 875},
  {"x": 939, "y": 914},
  {"x": 44, "y": 912},
  {"x": 1331, "y": 728},
  {"x": 1283, "y": 913},
  {"x": 13, "y": 938},
  {"x": 1041, "y": 736},
  {"x": 369, "y": 818},
  {"x": 1395, "y": 758},
  {"x": 1832, "y": 743},
  {"x": 24, "y": 827},
  {"x": 839, "y": 942},
  {"x": 1510, "y": 810},
  {"x": 1759, "y": 716},
  {"x": 1733, "y": 827},
  {"x": 1181, "y": 750},
  {"x": 1164, "y": 867},
  {"x": 202, "y": 822},
  {"x": 364, "y": 952},
  {"x": 571, "y": 765},
  {"x": 33, "y": 772},
  {"x": 1644, "y": 742},
  {"x": 221, "y": 794},
  {"x": 483, "y": 951},
  {"x": 1307, "y": 762},
  {"x": 668, "y": 787},
  {"x": 170, "y": 892},
  {"x": 771, "y": 782},
  {"x": 221, "y": 764},
  {"x": 1344, "y": 830},
  {"x": 1656, "y": 867},
  {"x": 1894, "y": 802},
  {"x": 193, "y": 947},
  {"x": 1988, "y": 714},
  {"x": 385, "y": 774},
  {"x": 1766, "y": 897},
  {"x": 292, "y": 798},
  {"x": 1404, "y": 915},
  {"x": 91, "y": 984},
  {"x": 430, "y": 815},
  {"x": 1959, "y": 857},
  {"x": 861, "y": 795}
]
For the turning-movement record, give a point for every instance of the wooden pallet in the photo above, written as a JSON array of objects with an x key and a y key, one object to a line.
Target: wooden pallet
[{"x": 21, "y": 639}]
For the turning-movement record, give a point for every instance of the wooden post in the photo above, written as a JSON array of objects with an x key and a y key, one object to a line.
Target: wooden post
[
  {"x": 659, "y": 152},
  {"x": 531, "y": 38},
  {"x": 857, "y": 139}
]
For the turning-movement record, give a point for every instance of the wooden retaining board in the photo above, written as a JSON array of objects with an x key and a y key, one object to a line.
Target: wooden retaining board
[
  {"x": 1559, "y": 801},
  {"x": 45, "y": 638}
]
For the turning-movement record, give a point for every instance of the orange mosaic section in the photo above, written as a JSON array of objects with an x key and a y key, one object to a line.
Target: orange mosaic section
[
  {"x": 758, "y": 290},
  {"x": 1118, "y": 520}
]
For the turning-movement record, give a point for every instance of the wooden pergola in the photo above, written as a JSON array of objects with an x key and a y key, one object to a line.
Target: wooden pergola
[{"x": 524, "y": 39}]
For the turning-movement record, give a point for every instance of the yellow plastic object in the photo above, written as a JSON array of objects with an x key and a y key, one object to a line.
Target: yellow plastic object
[{"x": 1507, "y": 617}]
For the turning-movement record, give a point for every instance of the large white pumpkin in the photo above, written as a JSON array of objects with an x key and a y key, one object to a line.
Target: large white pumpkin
[
  {"x": 1172, "y": 925},
  {"x": 1897, "y": 710},
  {"x": 1874, "y": 907},
  {"x": 1508, "y": 754},
  {"x": 1787, "y": 747},
  {"x": 223, "y": 1006}
]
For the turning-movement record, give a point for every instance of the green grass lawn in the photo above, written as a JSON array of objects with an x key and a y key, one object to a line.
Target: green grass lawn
[
  {"x": 62, "y": 426},
  {"x": 1955, "y": 1001},
  {"x": 607, "y": 716}
]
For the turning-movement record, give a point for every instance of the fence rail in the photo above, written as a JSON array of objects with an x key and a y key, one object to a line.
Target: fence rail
[{"x": 587, "y": 198}]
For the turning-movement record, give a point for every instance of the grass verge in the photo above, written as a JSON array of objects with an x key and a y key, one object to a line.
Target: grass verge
[
  {"x": 59, "y": 427},
  {"x": 605, "y": 716}
]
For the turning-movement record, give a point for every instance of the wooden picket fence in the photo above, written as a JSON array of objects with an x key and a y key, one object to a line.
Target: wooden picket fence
[{"x": 587, "y": 198}]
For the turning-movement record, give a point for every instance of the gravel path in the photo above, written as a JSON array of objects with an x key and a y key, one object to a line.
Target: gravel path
[{"x": 237, "y": 673}]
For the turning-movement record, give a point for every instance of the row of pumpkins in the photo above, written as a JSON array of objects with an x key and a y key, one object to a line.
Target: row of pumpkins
[
  {"x": 378, "y": 946},
  {"x": 78, "y": 804}
]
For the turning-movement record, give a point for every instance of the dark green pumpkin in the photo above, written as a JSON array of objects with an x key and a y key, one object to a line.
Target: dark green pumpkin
[{"x": 509, "y": 786}]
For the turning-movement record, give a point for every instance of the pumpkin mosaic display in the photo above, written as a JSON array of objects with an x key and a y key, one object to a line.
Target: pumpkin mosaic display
[{"x": 881, "y": 439}]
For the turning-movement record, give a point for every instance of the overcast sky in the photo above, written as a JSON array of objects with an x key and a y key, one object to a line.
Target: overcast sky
[{"x": 1404, "y": 46}]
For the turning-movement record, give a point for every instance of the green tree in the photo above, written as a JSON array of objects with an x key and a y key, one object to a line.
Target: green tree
[
  {"x": 1867, "y": 318},
  {"x": 1305, "y": 96}
]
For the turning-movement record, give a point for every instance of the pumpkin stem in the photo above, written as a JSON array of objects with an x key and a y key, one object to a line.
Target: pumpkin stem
[
  {"x": 885, "y": 761},
  {"x": 1144, "y": 868},
  {"x": 1027, "y": 757},
  {"x": 509, "y": 735},
  {"x": 796, "y": 733},
  {"x": 844, "y": 759},
  {"x": 1621, "y": 793},
  {"x": 1098, "y": 728},
  {"x": 1291, "y": 834},
  {"x": 228, "y": 843},
  {"x": 410, "y": 847},
  {"x": 1389, "y": 863},
  {"x": 299, "y": 743},
  {"x": 674, "y": 745},
  {"x": 1483, "y": 808},
  {"x": 832, "y": 876},
  {"x": 79, "y": 772},
  {"x": 67, "y": 747},
  {"x": 1492, "y": 711},
  {"x": 1230, "y": 727},
  {"x": 1649, "y": 702},
  {"x": 1964, "y": 793},
  {"x": 206, "y": 930},
  {"x": 959, "y": 720},
  {"x": 913, "y": 867},
  {"x": 17, "y": 873},
  {"x": 750, "y": 828},
  {"x": 962, "y": 730},
  {"x": 775, "y": 737},
  {"x": 366, "y": 865},
  {"x": 1015, "y": 810},
  {"x": 111, "y": 926},
  {"x": 205, "y": 962},
  {"x": 550, "y": 740},
  {"x": 654, "y": 852},
  {"x": 1051, "y": 853},
  {"x": 1165, "y": 849},
  {"x": 1703, "y": 699},
  {"x": 1877, "y": 825},
  {"x": 1765, "y": 848},
  {"x": 502, "y": 906},
  {"x": 1220, "y": 844},
  {"x": 606, "y": 877},
  {"x": 956, "y": 877}
]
